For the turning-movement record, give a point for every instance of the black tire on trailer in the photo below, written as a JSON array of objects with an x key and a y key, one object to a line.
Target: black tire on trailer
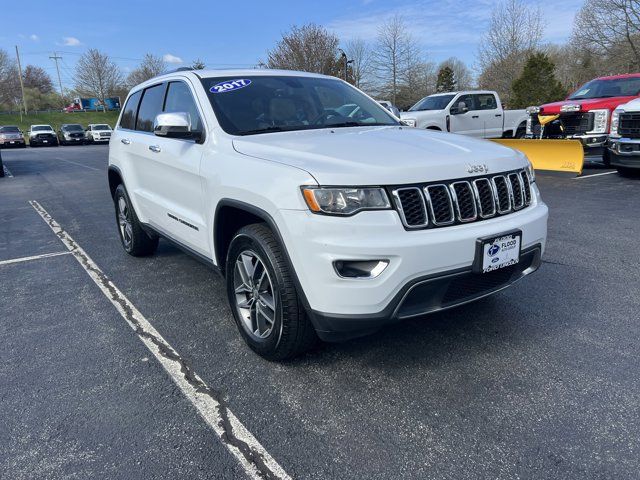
[
  {"x": 135, "y": 241},
  {"x": 263, "y": 297}
]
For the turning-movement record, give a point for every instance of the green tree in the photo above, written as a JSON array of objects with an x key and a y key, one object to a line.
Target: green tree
[
  {"x": 446, "y": 80},
  {"x": 537, "y": 84}
]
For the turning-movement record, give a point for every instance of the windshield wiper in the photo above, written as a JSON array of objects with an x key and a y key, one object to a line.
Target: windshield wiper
[
  {"x": 271, "y": 129},
  {"x": 355, "y": 124}
]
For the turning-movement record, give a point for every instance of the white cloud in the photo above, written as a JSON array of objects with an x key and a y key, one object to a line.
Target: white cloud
[
  {"x": 167, "y": 57},
  {"x": 71, "y": 42},
  {"x": 34, "y": 37}
]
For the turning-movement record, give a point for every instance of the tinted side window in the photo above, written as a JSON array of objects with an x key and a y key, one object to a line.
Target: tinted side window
[
  {"x": 129, "y": 115},
  {"x": 150, "y": 106},
  {"x": 485, "y": 101},
  {"x": 179, "y": 99}
]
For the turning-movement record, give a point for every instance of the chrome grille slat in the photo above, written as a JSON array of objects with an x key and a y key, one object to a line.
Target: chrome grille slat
[
  {"x": 486, "y": 197},
  {"x": 440, "y": 204},
  {"x": 463, "y": 201},
  {"x": 517, "y": 194},
  {"x": 411, "y": 205}
]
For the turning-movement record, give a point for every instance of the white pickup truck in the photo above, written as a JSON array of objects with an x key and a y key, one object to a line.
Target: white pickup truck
[{"x": 477, "y": 113}]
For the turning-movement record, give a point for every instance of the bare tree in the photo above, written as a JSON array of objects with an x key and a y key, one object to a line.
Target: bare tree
[
  {"x": 611, "y": 28},
  {"x": 461, "y": 73},
  {"x": 394, "y": 52},
  {"x": 310, "y": 48},
  {"x": 97, "y": 75},
  {"x": 36, "y": 77},
  {"x": 151, "y": 66},
  {"x": 198, "y": 64},
  {"x": 9, "y": 82},
  {"x": 359, "y": 52},
  {"x": 576, "y": 66},
  {"x": 515, "y": 31}
]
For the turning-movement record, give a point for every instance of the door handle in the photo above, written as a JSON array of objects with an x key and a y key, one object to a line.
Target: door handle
[
  {"x": 475, "y": 116},
  {"x": 498, "y": 114},
  {"x": 126, "y": 141},
  {"x": 154, "y": 148}
]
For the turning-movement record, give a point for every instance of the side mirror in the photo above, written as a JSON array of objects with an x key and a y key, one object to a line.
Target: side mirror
[
  {"x": 459, "y": 109},
  {"x": 173, "y": 125}
]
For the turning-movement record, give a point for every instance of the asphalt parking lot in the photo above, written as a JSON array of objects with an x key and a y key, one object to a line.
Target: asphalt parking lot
[{"x": 540, "y": 381}]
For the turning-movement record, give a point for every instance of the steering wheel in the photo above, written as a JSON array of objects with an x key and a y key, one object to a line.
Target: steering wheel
[{"x": 326, "y": 115}]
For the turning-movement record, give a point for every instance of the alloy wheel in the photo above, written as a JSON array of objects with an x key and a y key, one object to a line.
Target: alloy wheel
[
  {"x": 255, "y": 295},
  {"x": 124, "y": 222}
]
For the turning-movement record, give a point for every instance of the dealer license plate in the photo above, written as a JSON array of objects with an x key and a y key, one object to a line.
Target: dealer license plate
[
  {"x": 499, "y": 252},
  {"x": 45, "y": 141}
]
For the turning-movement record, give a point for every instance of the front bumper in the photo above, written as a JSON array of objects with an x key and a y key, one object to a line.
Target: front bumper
[
  {"x": 349, "y": 306},
  {"x": 625, "y": 152}
]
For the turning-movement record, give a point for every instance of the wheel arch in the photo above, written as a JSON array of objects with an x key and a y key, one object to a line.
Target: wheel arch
[
  {"x": 115, "y": 179},
  {"x": 231, "y": 215},
  {"x": 434, "y": 127}
]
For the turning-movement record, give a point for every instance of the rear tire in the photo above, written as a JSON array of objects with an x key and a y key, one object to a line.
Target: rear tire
[
  {"x": 606, "y": 158},
  {"x": 135, "y": 241},
  {"x": 263, "y": 296}
]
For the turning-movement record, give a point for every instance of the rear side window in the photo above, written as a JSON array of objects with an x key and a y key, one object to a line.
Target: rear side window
[
  {"x": 179, "y": 99},
  {"x": 150, "y": 107},
  {"x": 128, "y": 119},
  {"x": 485, "y": 101}
]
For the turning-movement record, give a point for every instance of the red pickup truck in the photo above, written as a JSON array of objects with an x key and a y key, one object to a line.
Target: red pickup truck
[{"x": 586, "y": 114}]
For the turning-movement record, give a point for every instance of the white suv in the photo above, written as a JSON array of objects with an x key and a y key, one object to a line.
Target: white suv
[
  {"x": 98, "y": 132},
  {"x": 325, "y": 222}
]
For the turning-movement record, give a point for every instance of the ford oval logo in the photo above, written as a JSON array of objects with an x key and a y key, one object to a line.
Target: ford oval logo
[{"x": 230, "y": 85}]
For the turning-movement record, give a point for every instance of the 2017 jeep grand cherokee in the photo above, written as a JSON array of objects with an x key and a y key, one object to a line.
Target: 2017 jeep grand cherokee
[{"x": 326, "y": 222}]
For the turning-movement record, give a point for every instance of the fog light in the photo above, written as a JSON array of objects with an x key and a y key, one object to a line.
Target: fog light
[{"x": 360, "y": 268}]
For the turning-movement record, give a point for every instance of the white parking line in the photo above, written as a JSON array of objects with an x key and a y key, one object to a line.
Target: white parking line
[
  {"x": 78, "y": 164},
  {"x": 34, "y": 257},
  {"x": 7, "y": 172},
  {"x": 255, "y": 460},
  {"x": 595, "y": 175}
]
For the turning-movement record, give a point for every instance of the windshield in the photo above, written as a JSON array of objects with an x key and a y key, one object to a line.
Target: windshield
[
  {"x": 9, "y": 130},
  {"x": 262, "y": 104},
  {"x": 73, "y": 128},
  {"x": 619, "y": 87},
  {"x": 437, "y": 102},
  {"x": 101, "y": 127},
  {"x": 40, "y": 128}
]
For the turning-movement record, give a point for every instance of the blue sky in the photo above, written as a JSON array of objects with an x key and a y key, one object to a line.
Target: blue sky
[{"x": 239, "y": 33}]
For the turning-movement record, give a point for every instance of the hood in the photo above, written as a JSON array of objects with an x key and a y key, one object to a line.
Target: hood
[
  {"x": 632, "y": 106},
  {"x": 379, "y": 155},
  {"x": 592, "y": 104}
]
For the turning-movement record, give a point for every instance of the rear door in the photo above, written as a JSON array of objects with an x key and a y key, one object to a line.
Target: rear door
[{"x": 490, "y": 115}]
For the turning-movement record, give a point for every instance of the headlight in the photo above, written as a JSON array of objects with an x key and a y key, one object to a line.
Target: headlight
[
  {"x": 530, "y": 171},
  {"x": 345, "y": 200},
  {"x": 532, "y": 110},
  {"x": 615, "y": 121},
  {"x": 409, "y": 122},
  {"x": 600, "y": 121},
  {"x": 529, "y": 129},
  {"x": 67, "y": 136}
]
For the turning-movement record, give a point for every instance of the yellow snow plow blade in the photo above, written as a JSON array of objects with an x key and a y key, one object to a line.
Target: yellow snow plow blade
[{"x": 555, "y": 155}]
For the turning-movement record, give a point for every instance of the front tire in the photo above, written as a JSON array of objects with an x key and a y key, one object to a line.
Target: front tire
[
  {"x": 628, "y": 172},
  {"x": 263, "y": 296},
  {"x": 135, "y": 241}
]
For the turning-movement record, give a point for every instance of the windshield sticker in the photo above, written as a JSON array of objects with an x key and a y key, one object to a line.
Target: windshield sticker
[
  {"x": 582, "y": 92},
  {"x": 230, "y": 85}
]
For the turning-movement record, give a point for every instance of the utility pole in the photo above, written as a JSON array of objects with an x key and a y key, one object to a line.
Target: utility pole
[
  {"x": 55, "y": 58},
  {"x": 24, "y": 100}
]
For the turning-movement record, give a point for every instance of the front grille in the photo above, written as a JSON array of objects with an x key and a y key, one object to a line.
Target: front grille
[
  {"x": 629, "y": 125},
  {"x": 577, "y": 123},
  {"x": 107, "y": 134},
  {"x": 44, "y": 136},
  {"x": 461, "y": 201}
]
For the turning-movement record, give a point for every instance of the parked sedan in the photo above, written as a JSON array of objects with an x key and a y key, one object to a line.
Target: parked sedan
[
  {"x": 11, "y": 136},
  {"x": 42, "y": 135},
  {"x": 71, "y": 133},
  {"x": 98, "y": 133}
]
